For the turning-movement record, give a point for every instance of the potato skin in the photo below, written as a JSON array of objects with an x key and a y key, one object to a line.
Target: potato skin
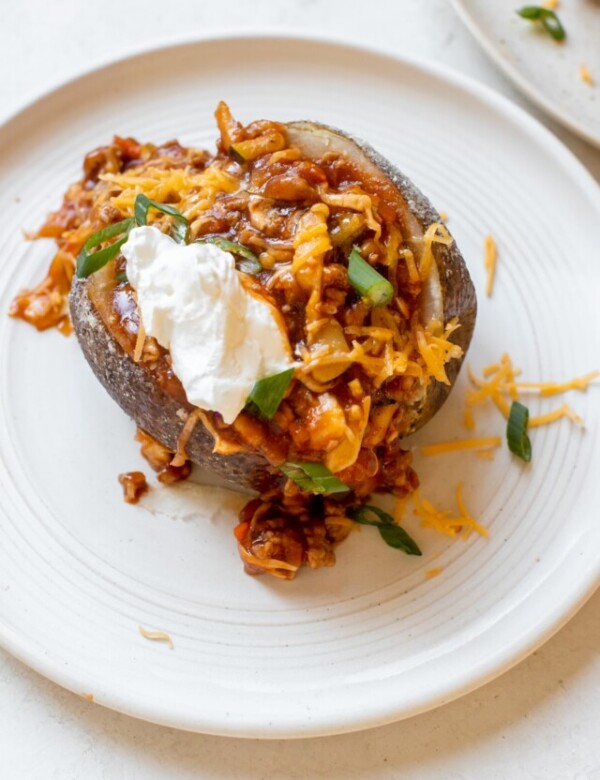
[{"x": 136, "y": 391}]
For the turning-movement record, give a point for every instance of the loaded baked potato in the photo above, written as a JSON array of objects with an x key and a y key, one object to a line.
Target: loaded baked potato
[{"x": 362, "y": 282}]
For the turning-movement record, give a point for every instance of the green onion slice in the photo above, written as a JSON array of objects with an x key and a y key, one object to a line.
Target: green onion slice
[
  {"x": 549, "y": 20},
  {"x": 516, "y": 431},
  {"x": 266, "y": 395},
  {"x": 143, "y": 204},
  {"x": 313, "y": 477},
  {"x": 249, "y": 262},
  {"x": 391, "y": 533},
  {"x": 89, "y": 262},
  {"x": 368, "y": 282}
]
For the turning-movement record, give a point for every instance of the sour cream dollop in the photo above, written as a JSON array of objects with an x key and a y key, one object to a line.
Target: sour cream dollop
[{"x": 222, "y": 338}]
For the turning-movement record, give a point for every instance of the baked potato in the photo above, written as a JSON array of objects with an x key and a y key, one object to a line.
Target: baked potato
[{"x": 318, "y": 211}]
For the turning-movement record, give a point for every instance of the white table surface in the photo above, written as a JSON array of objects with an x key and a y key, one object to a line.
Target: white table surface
[{"x": 540, "y": 720}]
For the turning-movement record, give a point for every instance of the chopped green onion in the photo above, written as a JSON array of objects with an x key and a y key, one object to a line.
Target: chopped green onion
[
  {"x": 89, "y": 262},
  {"x": 368, "y": 282},
  {"x": 122, "y": 277},
  {"x": 391, "y": 533},
  {"x": 516, "y": 431},
  {"x": 249, "y": 264},
  {"x": 267, "y": 393},
  {"x": 549, "y": 20},
  {"x": 313, "y": 477},
  {"x": 143, "y": 204}
]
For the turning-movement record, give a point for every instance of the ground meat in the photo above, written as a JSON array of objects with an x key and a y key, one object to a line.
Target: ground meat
[{"x": 134, "y": 486}]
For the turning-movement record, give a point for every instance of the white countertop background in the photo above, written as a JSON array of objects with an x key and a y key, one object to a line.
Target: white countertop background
[{"x": 540, "y": 721}]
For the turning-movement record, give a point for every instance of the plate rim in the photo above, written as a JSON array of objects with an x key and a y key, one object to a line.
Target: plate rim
[
  {"x": 21, "y": 648},
  {"x": 515, "y": 76}
]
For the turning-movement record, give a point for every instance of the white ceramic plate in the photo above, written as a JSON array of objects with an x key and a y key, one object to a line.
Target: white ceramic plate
[
  {"x": 372, "y": 639},
  {"x": 546, "y": 71}
]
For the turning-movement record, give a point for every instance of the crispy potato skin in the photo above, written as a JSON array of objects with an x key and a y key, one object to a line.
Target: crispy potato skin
[
  {"x": 133, "y": 387},
  {"x": 139, "y": 395}
]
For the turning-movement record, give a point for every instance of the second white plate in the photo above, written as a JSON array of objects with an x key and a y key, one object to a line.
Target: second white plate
[
  {"x": 546, "y": 71},
  {"x": 373, "y": 639}
]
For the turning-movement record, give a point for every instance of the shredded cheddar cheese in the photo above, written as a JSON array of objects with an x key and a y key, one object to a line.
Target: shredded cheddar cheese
[
  {"x": 470, "y": 524},
  {"x": 469, "y": 419},
  {"x": 355, "y": 201},
  {"x": 435, "y": 572},
  {"x": 443, "y": 521},
  {"x": 181, "y": 456},
  {"x": 494, "y": 388},
  {"x": 139, "y": 342},
  {"x": 156, "y": 636},
  {"x": 341, "y": 521},
  {"x": 411, "y": 266},
  {"x": 435, "y": 233},
  {"x": 280, "y": 569},
  {"x": 311, "y": 244},
  {"x": 436, "y": 349},
  {"x": 551, "y": 5},
  {"x": 196, "y": 191},
  {"x": 490, "y": 260},
  {"x": 556, "y": 414},
  {"x": 461, "y": 444},
  {"x": 222, "y": 445},
  {"x": 285, "y": 155},
  {"x": 499, "y": 385},
  {"x": 502, "y": 376},
  {"x": 585, "y": 75},
  {"x": 545, "y": 389},
  {"x": 400, "y": 509}
]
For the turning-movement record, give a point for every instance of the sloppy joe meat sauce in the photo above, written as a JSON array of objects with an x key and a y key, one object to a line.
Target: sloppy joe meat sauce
[{"x": 275, "y": 190}]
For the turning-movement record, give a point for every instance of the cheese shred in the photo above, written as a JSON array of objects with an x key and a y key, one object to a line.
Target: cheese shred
[
  {"x": 443, "y": 521},
  {"x": 156, "y": 636},
  {"x": 585, "y": 75},
  {"x": 498, "y": 384},
  {"x": 489, "y": 261},
  {"x": 556, "y": 414},
  {"x": 139, "y": 343},
  {"x": 461, "y": 444}
]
